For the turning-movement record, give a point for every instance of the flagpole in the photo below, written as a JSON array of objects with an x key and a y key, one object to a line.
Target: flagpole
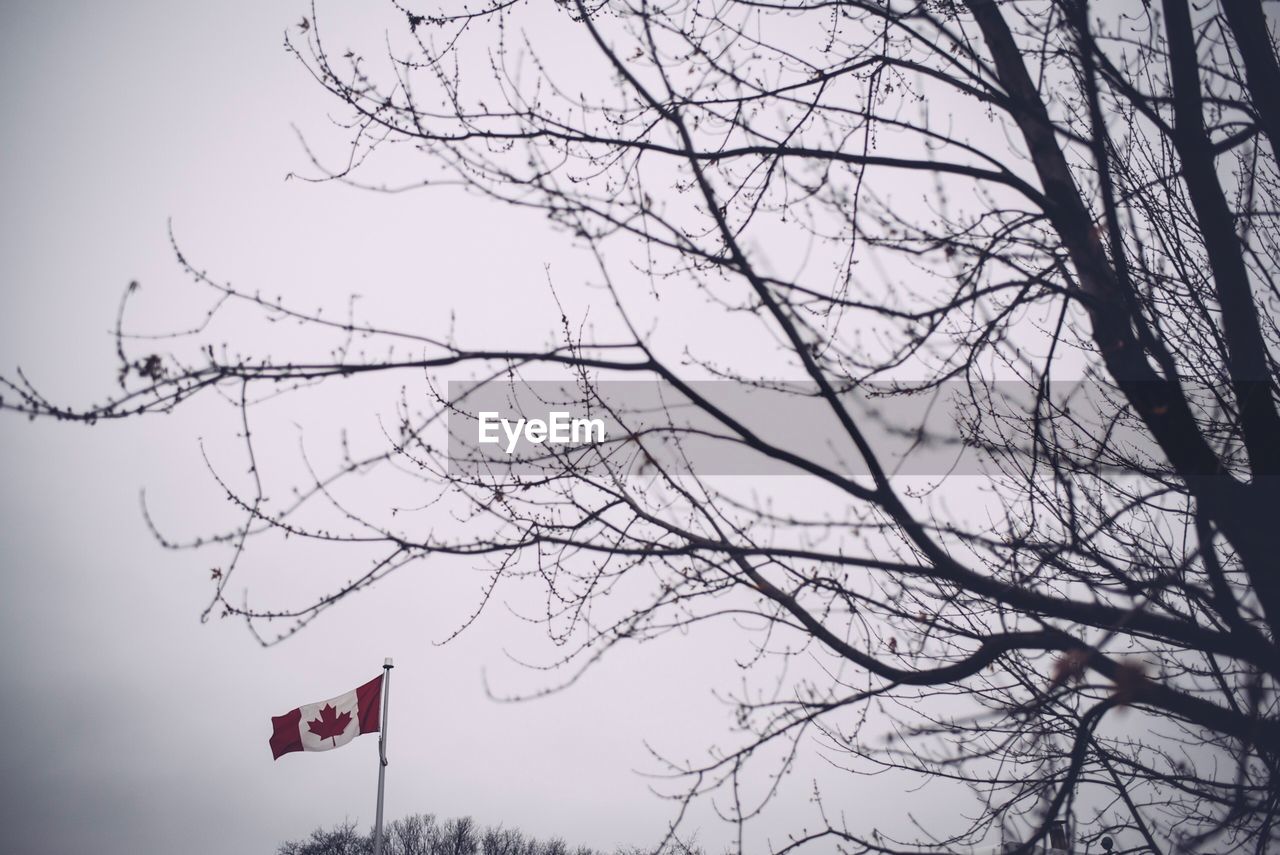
[{"x": 382, "y": 753}]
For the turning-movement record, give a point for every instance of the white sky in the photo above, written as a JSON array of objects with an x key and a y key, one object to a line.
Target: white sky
[{"x": 129, "y": 726}]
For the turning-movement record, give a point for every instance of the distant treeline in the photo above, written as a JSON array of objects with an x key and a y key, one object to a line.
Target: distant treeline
[{"x": 422, "y": 834}]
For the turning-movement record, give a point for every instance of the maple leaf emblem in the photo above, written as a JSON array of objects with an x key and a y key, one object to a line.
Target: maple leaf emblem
[{"x": 329, "y": 725}]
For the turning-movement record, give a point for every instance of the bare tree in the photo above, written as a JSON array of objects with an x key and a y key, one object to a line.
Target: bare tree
[
  {"x": 342, "y": 839},
  {"x": 963, "y": 193},
  {"x": 422, "y": 834}
]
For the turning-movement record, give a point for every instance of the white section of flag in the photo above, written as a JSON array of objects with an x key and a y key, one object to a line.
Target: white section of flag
[{"x": 318, "y": 727}]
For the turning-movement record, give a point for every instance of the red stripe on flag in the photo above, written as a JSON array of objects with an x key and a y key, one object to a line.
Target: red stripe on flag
[
  {"x": 285, "y": 736},
  {"x": 369, "y": 699}
]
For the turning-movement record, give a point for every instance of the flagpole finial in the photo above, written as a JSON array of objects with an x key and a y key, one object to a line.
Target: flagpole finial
[{"x": 386, "y": 663}]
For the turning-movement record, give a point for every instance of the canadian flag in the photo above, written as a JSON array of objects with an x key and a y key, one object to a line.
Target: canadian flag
[{"x": 328, "y": 724}]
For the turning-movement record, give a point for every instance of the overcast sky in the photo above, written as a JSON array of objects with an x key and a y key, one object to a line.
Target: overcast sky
[{"x": 128, "y": 725}]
